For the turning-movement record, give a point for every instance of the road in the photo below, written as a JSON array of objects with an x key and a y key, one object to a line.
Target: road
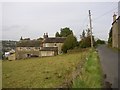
[{"x": 109, "y": 62}]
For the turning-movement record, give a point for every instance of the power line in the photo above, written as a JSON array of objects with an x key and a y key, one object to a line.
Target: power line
[
  {"x": 85, "y": 20},
  {"x": 104, "y": 14},
  {"x": 82, "y": 25},
  {"x": 94, "y": 19}
]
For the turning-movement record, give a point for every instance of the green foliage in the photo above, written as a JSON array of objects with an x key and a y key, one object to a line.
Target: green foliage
[
  {"x": 86, "y": 39},
  {"x": 91, "y": 74},
  {"x": 57, "y": 34},
  {"x": 21, "y": 38},
  {"x": 100, "y": 41},
  {"x": 69, "y": 43},
  {"x": 83, "y": 34},
  {"x": 86, "y": 42},
  {"x": 64, "y": 32},
  {"x": 110, "y": 37}
]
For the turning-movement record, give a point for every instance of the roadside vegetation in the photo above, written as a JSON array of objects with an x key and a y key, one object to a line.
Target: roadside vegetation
[{"x": 91, "y": 73}]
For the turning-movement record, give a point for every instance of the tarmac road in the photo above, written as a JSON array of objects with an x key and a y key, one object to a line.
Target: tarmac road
[{"x": 109, "y": 62}]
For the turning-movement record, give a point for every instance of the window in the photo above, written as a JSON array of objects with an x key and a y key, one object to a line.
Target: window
[{"x": 55, "y": 44}]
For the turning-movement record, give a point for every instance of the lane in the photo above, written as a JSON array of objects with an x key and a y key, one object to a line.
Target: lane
[{"x": 109, "y": 62}]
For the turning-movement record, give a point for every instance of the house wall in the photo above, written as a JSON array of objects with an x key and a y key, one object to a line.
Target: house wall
[
  {"x": 24, "y": 52},
  {"x": 47, "y": 53},
  {"x": 119, "y": 33},
  {"x": 59, "y": 45},
  {"x": 12, "y": 57},
  {"x": 115, "y": 35}
]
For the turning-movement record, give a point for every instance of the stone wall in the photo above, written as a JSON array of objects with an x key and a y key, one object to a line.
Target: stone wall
[
  {"x": 115, "y": 35},
  {"x": 24, "y": 55},
  {"x": 59, "y": 45},
  {"x": 12, "y": 57}
]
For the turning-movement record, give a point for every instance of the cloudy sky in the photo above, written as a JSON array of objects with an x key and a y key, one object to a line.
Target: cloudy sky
[{"x": 32, "y": 19}]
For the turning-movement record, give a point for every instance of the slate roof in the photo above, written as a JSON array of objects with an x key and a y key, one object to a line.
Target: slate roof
[
  {"x": 49, "y": 49},
  {"x": 29, "y": 43},
  {"x": 55, "y": 40}
]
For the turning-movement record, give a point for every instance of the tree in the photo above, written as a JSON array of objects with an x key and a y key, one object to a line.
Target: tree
[
  {"x": 88, "y": 32},
  {"x": 100, "y": 41},
  {"x": 110, "y": 37},
  {"x": 86, "y": 40},
  {"x": 21, "y": 38},
  {"x": 83, "y": 35},
  {"x": 64, "y": 32},
  {"x": 57, "y": 34},
  {"x": 69, "y": 43}
]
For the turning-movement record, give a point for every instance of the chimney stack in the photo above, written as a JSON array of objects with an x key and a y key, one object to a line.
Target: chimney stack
[
  {"x": 114, "y": 17},
  {"x": 45, "y": 35}
]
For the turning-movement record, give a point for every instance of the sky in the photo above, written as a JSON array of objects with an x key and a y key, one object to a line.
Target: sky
[{"x": 33, "y": 19}]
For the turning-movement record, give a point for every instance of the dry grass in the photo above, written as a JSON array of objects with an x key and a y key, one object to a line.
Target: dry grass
[{"x": 48, "y": 72}]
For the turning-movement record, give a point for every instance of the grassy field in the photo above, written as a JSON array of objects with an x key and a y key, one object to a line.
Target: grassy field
[
  {"x": 0, "y": 74},
  {"x": 47, "y": 72},
  {"x": 91, "y": 74}
]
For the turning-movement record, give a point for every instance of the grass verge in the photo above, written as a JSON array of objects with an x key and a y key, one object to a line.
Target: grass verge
[
  {"x": 0, "y": 74},
  {"x": 91, "y": 73}
]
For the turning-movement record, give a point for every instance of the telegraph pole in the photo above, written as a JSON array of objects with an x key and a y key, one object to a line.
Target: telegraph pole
[{"x": 91, "y": 29}]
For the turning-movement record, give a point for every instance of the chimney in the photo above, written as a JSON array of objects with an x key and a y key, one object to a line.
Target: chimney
[
  {"x": 47, "y": 35},
  {"x": 114, "y": 17}
]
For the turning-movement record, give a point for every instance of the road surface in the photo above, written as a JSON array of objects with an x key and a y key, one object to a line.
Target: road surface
[{"x": 109, "y": 62}]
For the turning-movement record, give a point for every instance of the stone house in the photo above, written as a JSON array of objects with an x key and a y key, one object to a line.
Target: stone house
[
  {"x": 49, "y": 46},
  {"x": 116, "y": 32},
  {"x": 28, "y": 48}
]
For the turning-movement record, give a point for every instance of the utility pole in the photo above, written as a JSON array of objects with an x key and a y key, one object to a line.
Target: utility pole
[{"x": 91, "y": 29}]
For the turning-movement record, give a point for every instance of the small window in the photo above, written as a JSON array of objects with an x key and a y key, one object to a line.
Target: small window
[{"x": 55, "y": 44}]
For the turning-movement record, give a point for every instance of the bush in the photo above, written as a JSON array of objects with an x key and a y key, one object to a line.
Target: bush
[
  {"x": 100, "y": 41},
  {"x": 86, "y": 42},
  {"x": 69, "y": 43}
]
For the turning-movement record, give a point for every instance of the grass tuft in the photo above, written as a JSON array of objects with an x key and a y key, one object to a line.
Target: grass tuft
[{"x": 91, "y": 74}]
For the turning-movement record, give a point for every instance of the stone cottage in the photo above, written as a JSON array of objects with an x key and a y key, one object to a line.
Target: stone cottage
[
  {"x": 28, "y": 48},
  {"x": 48, "y": 46},
  {"x": 116, "y": 32}
]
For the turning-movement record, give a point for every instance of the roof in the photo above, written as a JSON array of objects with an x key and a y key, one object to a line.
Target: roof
[
  {"x": 29, "y": 43},
  {"x": 55, "y": 40},
  {"x": 49, "y": 49},
  {"x": 116, "y": 20}
]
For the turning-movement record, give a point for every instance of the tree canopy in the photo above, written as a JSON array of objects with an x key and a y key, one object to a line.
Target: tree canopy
[
  {"x": 57, "y": 34},
  {"x": 64, "y": 32},
  {"x": 86, "y": 39},
  {"x": 69, "y": 43}
]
